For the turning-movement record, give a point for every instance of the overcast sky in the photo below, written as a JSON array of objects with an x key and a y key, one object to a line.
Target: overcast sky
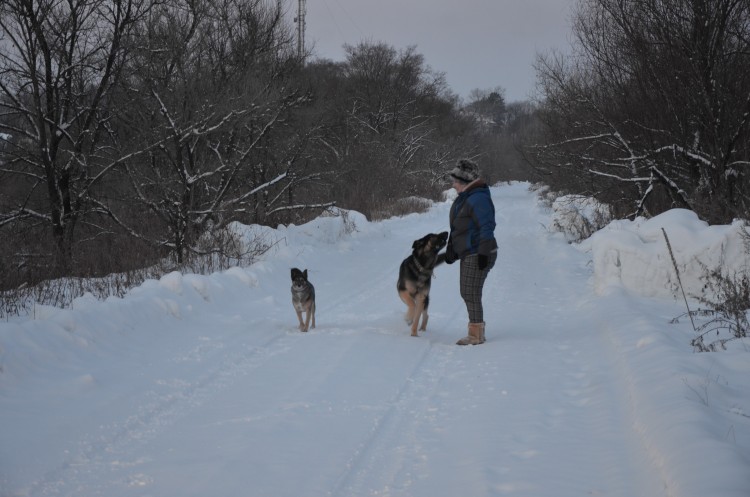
[{"x": 476, "y": 43}]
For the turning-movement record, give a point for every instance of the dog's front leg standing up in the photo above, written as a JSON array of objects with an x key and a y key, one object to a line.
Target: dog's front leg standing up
[
  {"x": 407, "y": 299},
  {"x": 419, "y": 312},
  {"x": 301, "y": 322}
]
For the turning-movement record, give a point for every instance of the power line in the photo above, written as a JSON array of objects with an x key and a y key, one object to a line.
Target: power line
[
  {"x": 333, "y": 19},
  {"x": 350, "y": 18}
]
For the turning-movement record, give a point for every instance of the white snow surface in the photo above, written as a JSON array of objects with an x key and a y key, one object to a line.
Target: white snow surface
[
  {"x": 203, "y": 385},
  {"x": 635, "y": 254}
]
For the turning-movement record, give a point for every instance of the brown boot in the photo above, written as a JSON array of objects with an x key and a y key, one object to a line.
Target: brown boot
[{"x": 476, "y": 335}]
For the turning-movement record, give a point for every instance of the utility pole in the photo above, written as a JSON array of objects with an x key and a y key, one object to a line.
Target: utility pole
[{"x": 300, "y": 20}]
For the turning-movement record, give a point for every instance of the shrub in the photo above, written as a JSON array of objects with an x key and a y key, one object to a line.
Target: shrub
[{"x": 728, "y": 300}]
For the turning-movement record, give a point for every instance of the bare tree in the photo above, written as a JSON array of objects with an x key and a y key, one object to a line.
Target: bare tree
[
  {"x": 653, "y": 110},
  {"x": 58, "y": 66},
  {"x": 391, "y": 108},
  {"x": 211, "y": 84}
]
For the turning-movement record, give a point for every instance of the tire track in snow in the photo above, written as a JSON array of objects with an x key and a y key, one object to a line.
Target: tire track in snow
[
  {"x": 653, "y": 459},
  {"x": 591, "y": 405},
  {"x": 390, "y": 455},
  {"x": 111, "y": 446},
  {"x": 365, "y": 285}
]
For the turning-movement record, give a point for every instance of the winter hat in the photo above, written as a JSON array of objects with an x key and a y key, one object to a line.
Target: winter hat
[{"x": 465, "y": 171}]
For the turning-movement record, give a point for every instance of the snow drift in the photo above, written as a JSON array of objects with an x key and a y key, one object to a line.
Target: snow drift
[{"x": 635, "y": 254}]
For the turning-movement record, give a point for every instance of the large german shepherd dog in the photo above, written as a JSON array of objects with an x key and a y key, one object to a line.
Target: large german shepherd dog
[{"x": 415, "y": 276}]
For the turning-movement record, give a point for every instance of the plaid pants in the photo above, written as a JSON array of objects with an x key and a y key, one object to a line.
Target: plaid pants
[{"x": 472, "y": 281}]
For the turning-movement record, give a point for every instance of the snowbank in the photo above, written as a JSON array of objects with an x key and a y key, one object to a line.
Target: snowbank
[{"x": 634, "y": 254}]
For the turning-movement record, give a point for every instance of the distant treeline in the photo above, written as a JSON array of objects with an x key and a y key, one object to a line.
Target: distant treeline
[{"x": 136, "y": 131}]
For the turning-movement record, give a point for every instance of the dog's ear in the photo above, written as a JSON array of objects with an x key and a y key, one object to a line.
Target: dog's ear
[
  {"x": 295, "y": 273},
  {"x": 418, "y": 244},
  {"x": 304, "y": 274}
]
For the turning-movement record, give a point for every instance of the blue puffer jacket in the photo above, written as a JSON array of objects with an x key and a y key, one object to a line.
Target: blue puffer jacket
[{"x": 472, "y": 222}]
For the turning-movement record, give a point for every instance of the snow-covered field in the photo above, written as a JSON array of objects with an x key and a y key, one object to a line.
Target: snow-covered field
[{"x": 203, "y": 386}]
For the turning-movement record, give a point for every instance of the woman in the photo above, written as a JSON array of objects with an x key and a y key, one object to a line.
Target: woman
[{"x": 472, "y": 241}]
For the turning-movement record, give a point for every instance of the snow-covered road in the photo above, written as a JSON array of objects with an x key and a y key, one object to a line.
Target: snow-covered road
[{"x": 203, "y": 386}]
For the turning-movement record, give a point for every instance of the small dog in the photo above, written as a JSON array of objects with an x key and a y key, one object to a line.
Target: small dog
[
  {"x": 303, "y": 298},
  {"x": 415, "y": 276}
]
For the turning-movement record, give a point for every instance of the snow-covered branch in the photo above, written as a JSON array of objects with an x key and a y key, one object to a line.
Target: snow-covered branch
[{"x": 326, "y": 205}]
